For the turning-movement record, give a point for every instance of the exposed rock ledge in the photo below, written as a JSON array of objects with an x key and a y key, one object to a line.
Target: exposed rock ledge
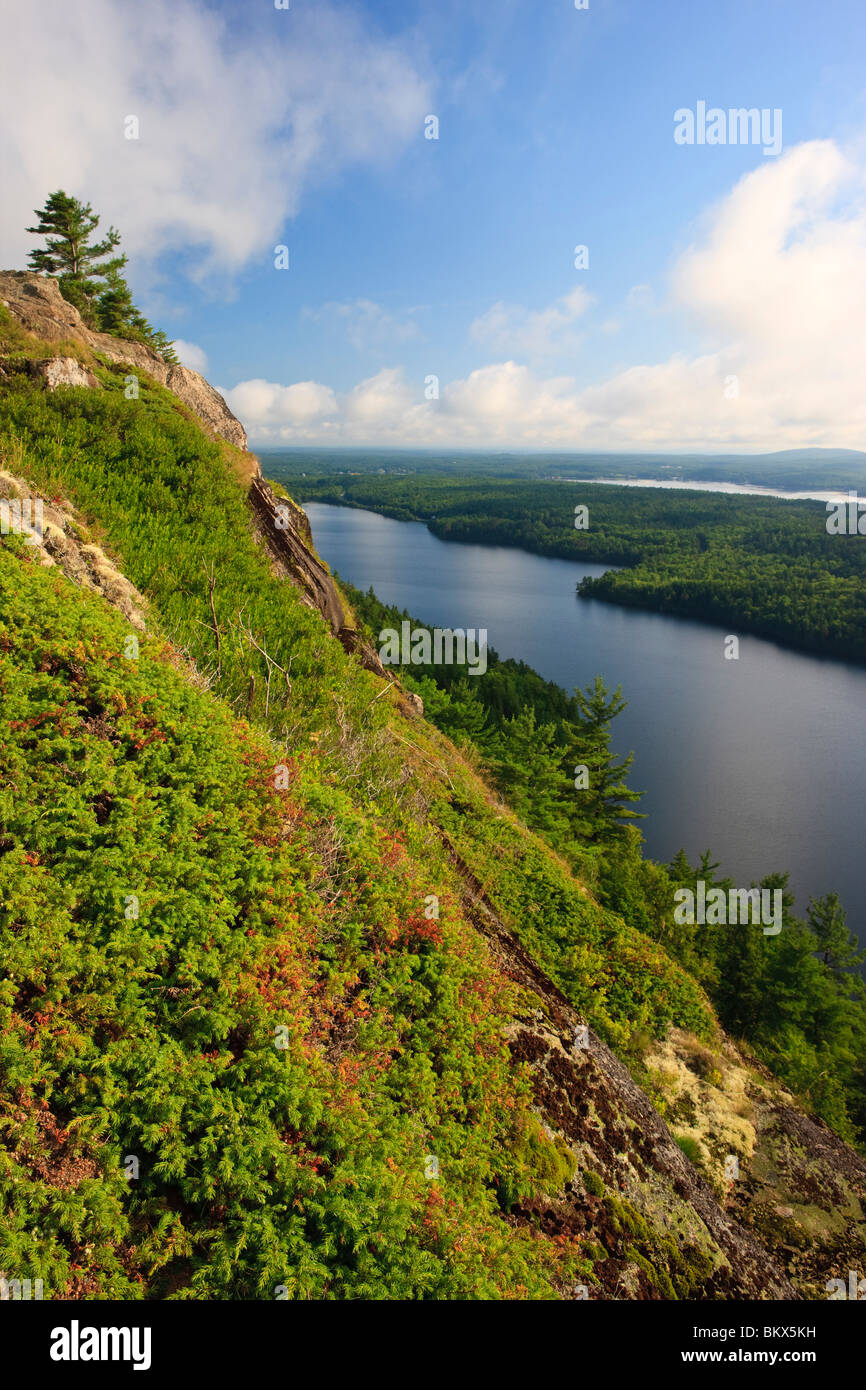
[
  {"x": 285, "y": 529},
  {"x": 36, "y": 303},
  {"x": 60, "y": 540}
]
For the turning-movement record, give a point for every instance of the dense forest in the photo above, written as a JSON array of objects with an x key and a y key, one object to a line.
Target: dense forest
[
  {"x": 751, "y": 564},
  {"x": 798, "y": 999}
]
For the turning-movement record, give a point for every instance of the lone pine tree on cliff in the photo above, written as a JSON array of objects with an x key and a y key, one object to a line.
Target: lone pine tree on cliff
[{"x": 88, "y": 273}]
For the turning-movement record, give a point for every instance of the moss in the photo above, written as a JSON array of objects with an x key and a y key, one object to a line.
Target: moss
[
  {"x": 540, "y": 1164},
  {"x": 677, "y": 1271},
  {"x": 657, "y": 1277},
  {"x": 593, "y": 1184},
  {"x": 691, "y": 1148}
]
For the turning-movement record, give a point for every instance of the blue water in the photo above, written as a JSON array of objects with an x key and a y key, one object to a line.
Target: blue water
[{"x": 762, "y": 760}]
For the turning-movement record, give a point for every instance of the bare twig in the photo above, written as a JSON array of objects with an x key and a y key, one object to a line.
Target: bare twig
[
  {"x": 247, "y": 632},
  {"x": 381, "y": 693}
]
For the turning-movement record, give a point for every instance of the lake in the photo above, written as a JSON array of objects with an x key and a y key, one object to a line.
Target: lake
[
  {"x": 762, "y": 759},
  {"x": 732, "y": 489}
]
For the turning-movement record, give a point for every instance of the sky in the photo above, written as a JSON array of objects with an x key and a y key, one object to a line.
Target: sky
[{"x": 360, "y": 220}]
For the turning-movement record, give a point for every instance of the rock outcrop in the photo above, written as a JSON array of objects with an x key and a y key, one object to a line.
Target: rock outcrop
[
  {"x": 285, "y": 529},
  {"x": 57, "y": 538},
  {"x": 64, "y": 371},
  {"x": 36, "y": 303},
  {"x": 638, "y": 1193},
  {"x": 787, "y": 1175}
]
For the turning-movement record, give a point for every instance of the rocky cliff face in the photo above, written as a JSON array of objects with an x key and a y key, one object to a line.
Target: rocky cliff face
[
  {"x": 286, "y": 531},
  {"x": 56, "y": 537},
  {"x": 789, "y": 1222},
  {"x": 36, "y": 303}
]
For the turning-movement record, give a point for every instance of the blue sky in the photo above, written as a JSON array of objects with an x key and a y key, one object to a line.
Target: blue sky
[{"x": 454, "y": 257}]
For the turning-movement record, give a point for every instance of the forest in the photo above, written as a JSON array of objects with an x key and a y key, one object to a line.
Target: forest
[
  {"x": 790, "y": 469},
  {"x": 751, "y": 564}
]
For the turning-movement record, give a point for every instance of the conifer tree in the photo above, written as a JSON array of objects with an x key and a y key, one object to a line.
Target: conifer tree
[
  {"x": 837, "y": 945},
  {"x": 606, "y": 797},
  {"x": 88, "y": 273},
  {"x": 79, "y": 263}
]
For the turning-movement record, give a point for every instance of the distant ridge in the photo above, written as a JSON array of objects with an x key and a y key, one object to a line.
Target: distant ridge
[{"x": 794, "y": 469}]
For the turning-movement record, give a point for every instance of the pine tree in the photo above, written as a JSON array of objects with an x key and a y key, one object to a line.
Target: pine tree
[
  {"x": 67, "y": 225},
  {"x": 116, "y": 311},
  {"x": 88, "y": 274},
  {"x": 529, "y": 774},
  {"x": 837, "y": 945},
  {"x": 604, "y": 801}
]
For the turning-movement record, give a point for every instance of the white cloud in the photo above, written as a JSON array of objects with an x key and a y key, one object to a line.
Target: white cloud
[
  {"x": 191, "y": 355},
  {"x": 533, "y": 333},
  {"x": 234, "y": 122},
  {"x": 279, "y": 411},
  {"x": 499, "y": 404},
  {"x": 366, "y": 324},
  {"x": 775, "y": 282}
]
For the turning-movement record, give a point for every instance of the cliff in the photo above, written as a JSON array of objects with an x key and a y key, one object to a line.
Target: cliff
[
  {"x": 281, "y": 822},
  {"x": 35, "y": 302}
]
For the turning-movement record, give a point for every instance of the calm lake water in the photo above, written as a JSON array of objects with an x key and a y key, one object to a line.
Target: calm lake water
[
  {"x": 732, "y": 489},
  {"x": 762, "y": 760}
]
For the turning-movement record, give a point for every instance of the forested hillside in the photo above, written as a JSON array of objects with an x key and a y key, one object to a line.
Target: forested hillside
[
  {"x": 293, "y": 1002},
  {"x": 788, "y": 470}
]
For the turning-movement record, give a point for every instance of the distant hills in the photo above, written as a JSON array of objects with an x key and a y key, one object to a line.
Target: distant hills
[{"x": 785, "y": 468}]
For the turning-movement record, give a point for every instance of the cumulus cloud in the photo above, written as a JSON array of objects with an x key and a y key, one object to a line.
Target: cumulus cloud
[
  {"x": 500, "y": 404},
  {"x": 774, "y": 282},
  {"x": 533, "y": 333},
  {"x": 234, "y": 121},
  {"x": 282, "y": 412},
  {"x": 191, "y": 355}
]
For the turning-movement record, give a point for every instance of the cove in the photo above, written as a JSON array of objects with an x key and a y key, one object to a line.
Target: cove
[{"x": 761, "y": 760}]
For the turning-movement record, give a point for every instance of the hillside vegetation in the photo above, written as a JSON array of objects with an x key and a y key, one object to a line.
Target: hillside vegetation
[{"x": 289, "y": 993}]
